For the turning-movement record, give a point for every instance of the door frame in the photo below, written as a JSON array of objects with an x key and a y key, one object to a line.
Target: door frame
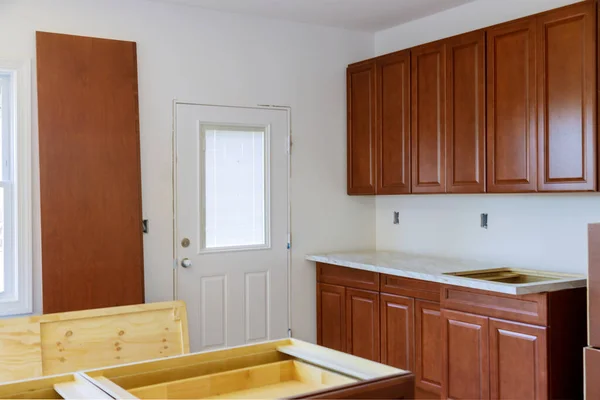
[{"x": 288, "y": 111}]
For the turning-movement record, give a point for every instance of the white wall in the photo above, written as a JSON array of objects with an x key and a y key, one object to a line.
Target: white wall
[
  {"x": 542, "y": 231},
  {"x": 197, "y": 55},
  {"x": 467, "y": 17}
]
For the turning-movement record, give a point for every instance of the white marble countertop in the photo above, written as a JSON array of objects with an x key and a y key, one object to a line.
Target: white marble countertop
[{"x": 434, "y": 269}]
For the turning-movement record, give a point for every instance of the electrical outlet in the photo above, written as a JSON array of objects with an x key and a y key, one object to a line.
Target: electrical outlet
[
  {"x": 484, "y": 220},
  {"x": 396, "y": 218}
]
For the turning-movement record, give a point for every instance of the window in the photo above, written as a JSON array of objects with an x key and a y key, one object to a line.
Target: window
[
  {"x": 235, "y": 207},
  {"x": 15, "y": 178}
]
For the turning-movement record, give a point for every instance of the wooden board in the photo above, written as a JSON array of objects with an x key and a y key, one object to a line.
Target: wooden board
[
  {"x": 67, "y": 342},
  {"x": 90, "y": 177},
  {"x": 68, "y": 386}
]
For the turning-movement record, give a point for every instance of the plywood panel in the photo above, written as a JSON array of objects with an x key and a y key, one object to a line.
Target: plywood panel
[
  {"x": 90, "y": 180},
  {"x": 66, "y": 342}
]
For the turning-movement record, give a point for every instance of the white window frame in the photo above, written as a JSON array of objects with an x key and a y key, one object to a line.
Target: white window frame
[
  {"x": 17, "y": 297},
  {"x": 206, "y": 126}
]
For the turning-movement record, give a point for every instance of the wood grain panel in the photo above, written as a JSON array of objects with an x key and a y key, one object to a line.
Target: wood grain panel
[
  {"x": 397, "y": 331},
  {"x": 90, "y": 180},
  {"x": 356, "y": 278},
  {"x": 566, "y": 73},
  {"x": 592, "y": 372},
  {"x": 362, "y": 119},
  {"x": 428, "y": 346},
  {"x": 331, "y": 316},
  {"x": 518, "y": 361},
  {"x": 428, "y": 88},
  {"x": 393, "y": 85},
  {"x": 362, "y": 324},
  {"x": 465, "y": 356},
  {"x": 529, "y": 308},
  {"x": 67, "y": 342},
  {"x": 594, "y": 284},
  {"x": 511, "y": 108},
  {"x": 465, "y": 117}
]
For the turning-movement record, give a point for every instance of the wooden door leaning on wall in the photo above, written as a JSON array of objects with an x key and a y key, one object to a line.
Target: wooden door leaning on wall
[{"x": 90, "y": 179}]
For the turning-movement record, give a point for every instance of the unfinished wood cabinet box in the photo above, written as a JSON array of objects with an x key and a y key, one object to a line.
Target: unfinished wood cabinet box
[
  {"x": 67, "y": 342},
  {"x": 69, "y": 386},
  {"x": 279, "y": 369}
]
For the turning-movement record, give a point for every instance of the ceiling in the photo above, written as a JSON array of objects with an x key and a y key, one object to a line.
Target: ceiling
[{"x": 363, "y": 15}]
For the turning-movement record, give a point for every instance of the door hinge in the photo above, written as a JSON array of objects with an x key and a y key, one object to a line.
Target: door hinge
[
  {"x": 289, "y": 241},
  {"x": 290, "y": 333},
  {"x": 289, "y": 145}
]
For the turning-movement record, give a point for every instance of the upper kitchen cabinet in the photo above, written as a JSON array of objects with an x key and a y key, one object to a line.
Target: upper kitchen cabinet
[
  {"x": 465, "y": 115},
  {"x": 428, "y": 87},
  {"x": 361, "y": 128},
  {"x": 511, "y": 107},
  {"x": 566, "y": 87},
  {"x": 393, "y": 127}
]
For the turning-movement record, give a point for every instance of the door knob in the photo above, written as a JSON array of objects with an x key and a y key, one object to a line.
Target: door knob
[{"x": 186, "y": 263}]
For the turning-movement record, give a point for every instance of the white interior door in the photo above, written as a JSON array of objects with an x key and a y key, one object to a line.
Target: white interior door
[{"x": 232, "y": 223}]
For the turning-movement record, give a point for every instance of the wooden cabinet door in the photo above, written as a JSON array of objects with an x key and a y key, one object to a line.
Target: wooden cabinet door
[
  {"x": 362, "y": 323},
  {"x": 518, "y": 361},
  {"x": 397, "y": 331},
  {"x": 511, "y": 108},
  {"x": 331, "y": 316},
  {"x": 393, "y": 141},
  {"x": 361, "y": 139},
  {"x": 465, "y": 356},
  {"x": 428, "y": 87},
  {"x": 90, "y": 178},
  {"x": 428, "y": 346},
  {"x": 465, "y": 116},
  {"x": 566, "y": 73}
]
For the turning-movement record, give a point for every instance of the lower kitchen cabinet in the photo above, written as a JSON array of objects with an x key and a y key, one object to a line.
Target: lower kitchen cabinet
[
  {"x": 518, "y": 361},
  {"x": 362, "y": 323},
  {"x": 465, "y": 356},
  {"x": 461, "y": 343},
  {"x": 397, "y": 331},
  {"x": 428, "y": 346},
  {"x": 348, "y": 320},
  {"x": 331, "y": 316}
]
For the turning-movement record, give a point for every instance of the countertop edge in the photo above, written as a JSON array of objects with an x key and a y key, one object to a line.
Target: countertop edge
[{"x": 543, "y": 287}]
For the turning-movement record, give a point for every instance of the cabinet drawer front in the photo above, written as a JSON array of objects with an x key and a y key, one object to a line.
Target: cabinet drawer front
[
  {"x": 410, "y": 287},
  {"x": 530, "y": 308},
  {"x": 354, "y": 278}
]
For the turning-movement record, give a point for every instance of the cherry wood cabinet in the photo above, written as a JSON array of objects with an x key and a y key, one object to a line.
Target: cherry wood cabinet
[
  {"x": 461, "y": 343},
  {"x": 331, "y": 321},
  {"x": 361, "y": 139},
  {"x": 465, "y": 356},
  {"x": 393, "y": 136},
  {"x": 566, "y": 84},
  {"x": 397, "y": 331},
  {"x": 518, "y": 361},
  {"x": 428, "y": 88},
  {"x": 362, "y": 323},
  {"x": 592, "y": 372},
  {"x": 428, "y": 346},
  {"x": 465, "y": 115},
  {"x": 511, "y": 107}
]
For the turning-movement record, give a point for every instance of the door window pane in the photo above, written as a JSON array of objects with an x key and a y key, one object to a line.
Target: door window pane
[{"x": 235, "y": 209}]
